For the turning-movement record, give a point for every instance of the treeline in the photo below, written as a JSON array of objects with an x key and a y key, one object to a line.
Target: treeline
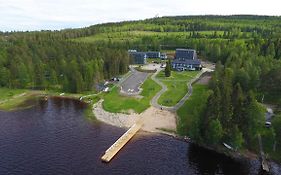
[
  {"x": 233, "y": 113},
  {"x": 39, "y": 62},
  {"x": 54, "y": 59}
]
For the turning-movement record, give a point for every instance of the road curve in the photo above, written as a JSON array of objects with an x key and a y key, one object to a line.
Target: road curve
[{"x": 154, "y": 101}]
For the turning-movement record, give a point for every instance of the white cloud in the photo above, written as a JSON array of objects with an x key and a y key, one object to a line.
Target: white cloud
[{"x": 58, "y": 14}]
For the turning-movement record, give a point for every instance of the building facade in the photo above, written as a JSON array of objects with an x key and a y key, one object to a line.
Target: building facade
[
  {"x": 141, "y": 57},
  {"x": 137, "y": 57},
  {"x": 186, "y": 59},
  {"x": 153, "y": 54}
]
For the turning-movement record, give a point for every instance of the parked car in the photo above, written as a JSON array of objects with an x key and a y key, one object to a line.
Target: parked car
[
  {"x": 106, "y": 89},
  {"x": 115, "y": 79},
  {"x": 268, "y": 124}
]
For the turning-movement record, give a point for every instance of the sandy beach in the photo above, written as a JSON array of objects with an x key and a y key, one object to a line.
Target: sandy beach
[{"x": 155, "y": 120}]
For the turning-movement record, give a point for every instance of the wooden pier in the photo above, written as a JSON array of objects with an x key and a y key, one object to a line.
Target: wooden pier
[{"x": 121, "y": 142}]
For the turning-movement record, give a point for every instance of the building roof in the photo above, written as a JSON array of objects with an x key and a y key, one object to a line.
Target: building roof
[
  {"x": 185, "y": 54},
  {"x": 137, "y": 53},
  {"x": 153, "y": 52}
]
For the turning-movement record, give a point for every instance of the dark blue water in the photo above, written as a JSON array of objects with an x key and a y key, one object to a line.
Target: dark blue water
[{"x": 54, "y": 137}]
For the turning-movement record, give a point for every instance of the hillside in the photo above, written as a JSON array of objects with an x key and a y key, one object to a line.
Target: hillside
[{"x": 246, "y": 50}]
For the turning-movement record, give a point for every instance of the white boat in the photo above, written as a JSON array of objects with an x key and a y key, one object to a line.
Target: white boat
[{"x": 227, "y": 146}]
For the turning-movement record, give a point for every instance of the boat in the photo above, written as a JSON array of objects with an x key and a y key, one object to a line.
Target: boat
[{"x": 227, "y": 146}]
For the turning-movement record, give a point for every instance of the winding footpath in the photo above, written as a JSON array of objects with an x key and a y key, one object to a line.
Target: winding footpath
[{"x": 154, "y": 101}]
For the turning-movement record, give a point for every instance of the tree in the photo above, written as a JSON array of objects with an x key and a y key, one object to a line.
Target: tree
[
  {"x": 236, "y": 138},
  {"x": 168, "y": 69},
  {"x": 22, "y": 75},
  {"x": 271, "y": 83},
  {"x": 226, "y": 103},
  {"x": 252, "y": 119},
  {"x": 268, "y": 139},
  {"x": 238, "y": 105},
  {"x": 4, "y": 77},
  {"x": 215, "y": 132},
  {"x": 276, "y": 123}
]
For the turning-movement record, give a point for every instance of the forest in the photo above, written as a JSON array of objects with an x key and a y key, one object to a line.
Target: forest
[
  {"x": 41, "y": 62},
  {"x": 245, "y": 48}
]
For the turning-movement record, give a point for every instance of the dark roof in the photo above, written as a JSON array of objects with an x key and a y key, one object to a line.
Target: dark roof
[
  {"x": 185, "y": 54},
  {"x": 187, "y": 61},
  {"x": 138, "y": 54},
  {"x": 151, "y": 52}
]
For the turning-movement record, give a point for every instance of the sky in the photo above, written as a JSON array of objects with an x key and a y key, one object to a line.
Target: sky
[{"x": 23, "y": 15}]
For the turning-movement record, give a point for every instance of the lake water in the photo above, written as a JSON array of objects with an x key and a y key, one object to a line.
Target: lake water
[{"x": 54, "y": 137}]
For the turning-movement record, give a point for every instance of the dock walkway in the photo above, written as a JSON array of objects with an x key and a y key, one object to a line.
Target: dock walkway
[{"x": 121, "y": 142}]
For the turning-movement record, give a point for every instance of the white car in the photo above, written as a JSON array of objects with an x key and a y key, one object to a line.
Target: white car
[{"x": 267, "y": 124}]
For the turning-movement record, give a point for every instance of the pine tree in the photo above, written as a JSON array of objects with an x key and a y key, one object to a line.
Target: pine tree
[
  {"x": 168, "y": 69},
  {"x": 238, "y": 108},
  {"x": 215, "y": 132},
  {"x": 236, "y": 137}
]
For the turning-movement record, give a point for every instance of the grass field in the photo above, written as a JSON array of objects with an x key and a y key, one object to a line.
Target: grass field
[
  {"x": 177, "y": 86},
  {"x": 8, "y": 93},
  {"x": 11, "y": 98},
  {"x": 187, "y": 112},
  {"x": 114, "y": 102},
  {"x": 137, "y": 35}
]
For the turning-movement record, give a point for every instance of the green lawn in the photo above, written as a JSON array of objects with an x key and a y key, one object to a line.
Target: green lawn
[
  {"x": 11, "y": 98},
  {"x": 177, "y": 86},
  {"x": 8, "y": 93},
  {"x": 114, "y": 102},
  {"x": 189, "y": 111}
]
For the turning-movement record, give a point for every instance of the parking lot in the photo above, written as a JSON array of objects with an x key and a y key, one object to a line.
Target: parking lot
[{"x": 131, "y": 84}]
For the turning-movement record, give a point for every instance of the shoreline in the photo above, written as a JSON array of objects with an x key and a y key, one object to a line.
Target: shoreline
[
  {"x": 127, "y": 120},
  {"x": 121, "y": 120},
  {"x": 155, "y": 120}
]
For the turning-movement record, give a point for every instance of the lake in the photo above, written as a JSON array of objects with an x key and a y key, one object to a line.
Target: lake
[{"x": 55, "y": 137}]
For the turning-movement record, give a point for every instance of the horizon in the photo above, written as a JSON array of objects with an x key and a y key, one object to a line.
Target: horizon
[
  {"x": 73, "y": 28},
  {"x": 29, "y": 15}
]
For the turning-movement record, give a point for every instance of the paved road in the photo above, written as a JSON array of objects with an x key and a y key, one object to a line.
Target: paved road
[
  {"x": 154, "y": 101},
  {"x": 132, "y": 84}
]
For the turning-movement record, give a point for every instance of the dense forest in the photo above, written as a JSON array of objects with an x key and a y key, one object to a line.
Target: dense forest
[
  {"x": 49, "y": 59},
  {"x": 246, "y": 49},
  {"x": 38, "y": 61}
]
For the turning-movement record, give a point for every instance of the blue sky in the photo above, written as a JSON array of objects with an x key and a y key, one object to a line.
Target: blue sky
[{"x": 22, "y": 15}]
